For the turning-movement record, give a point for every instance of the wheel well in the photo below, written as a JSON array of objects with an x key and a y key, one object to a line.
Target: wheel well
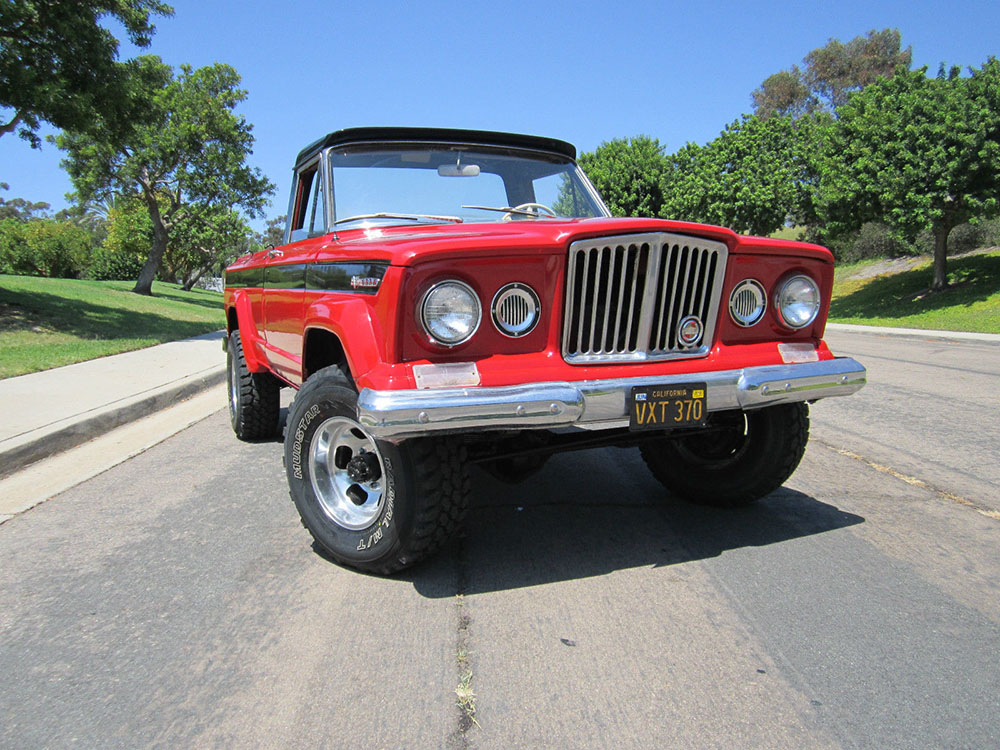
[
  {"x": 322, "y": 349},
  {"x": 232, "y": 321}
]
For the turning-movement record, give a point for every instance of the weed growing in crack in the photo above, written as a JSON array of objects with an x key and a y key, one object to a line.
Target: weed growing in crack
[{"x": 464, "y": 692}]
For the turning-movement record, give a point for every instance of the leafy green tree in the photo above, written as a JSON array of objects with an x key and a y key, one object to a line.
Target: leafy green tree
[
  {"x": 783, "y": 93},
  {"x": 830, "y": 74},
  {"x": 916, "y": 152},
  {"x": 186, "y": 161},
  {"x": 628, "y": 173},
  {"x": 274, "y": 232},
  {"x": 205, "y": 246},
  {"x": 19, "y": 208},
  {"x": 44, "y": 247},
  {"x": 59, "y": 64},
  {"x": 130, "y": 230},
  {"x": 836, "y": 69},
  {"x": 751, "y": 178}
]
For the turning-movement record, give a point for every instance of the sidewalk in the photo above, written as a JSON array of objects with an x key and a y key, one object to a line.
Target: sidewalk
[{"x": 47, "y": 412}]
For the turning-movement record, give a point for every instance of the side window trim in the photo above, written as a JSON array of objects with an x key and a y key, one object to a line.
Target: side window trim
[{"x": 303, "y": 206}]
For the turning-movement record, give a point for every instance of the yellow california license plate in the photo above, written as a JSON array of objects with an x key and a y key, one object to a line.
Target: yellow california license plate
[{"x": 665, "y": 407}]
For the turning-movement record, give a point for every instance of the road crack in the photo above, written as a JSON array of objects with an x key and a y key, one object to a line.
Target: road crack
[
  {"x": 464, "y": 691},
  {"x": 912, "y": 481}
]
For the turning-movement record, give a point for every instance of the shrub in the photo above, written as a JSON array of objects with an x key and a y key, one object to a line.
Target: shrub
[
  {"x": 873, "y": 240},
  {"x": 107, "y": 265},
  {"x": 963, "y": 238},
  {"x": 44, "y": 247},
  {"x": 12, "y": 248}
]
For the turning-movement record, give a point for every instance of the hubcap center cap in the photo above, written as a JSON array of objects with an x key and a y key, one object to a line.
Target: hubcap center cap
[{"x": 364, "y": 468}]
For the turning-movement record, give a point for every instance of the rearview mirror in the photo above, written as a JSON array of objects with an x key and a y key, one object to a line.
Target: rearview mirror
[{"x": 459, "y": 170}]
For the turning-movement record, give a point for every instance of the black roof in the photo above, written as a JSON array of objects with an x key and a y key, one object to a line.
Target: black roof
[{"x": 434, "y": 135}]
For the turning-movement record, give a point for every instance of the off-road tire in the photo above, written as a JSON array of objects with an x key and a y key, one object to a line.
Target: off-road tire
[
  {"x": 424, "y": 483},
  {"x": 254, "y": 397},
  {"x": 736, "y": 467}
]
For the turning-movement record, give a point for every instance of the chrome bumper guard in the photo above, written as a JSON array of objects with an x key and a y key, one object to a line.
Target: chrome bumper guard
[{"x": 592, "y": 404}]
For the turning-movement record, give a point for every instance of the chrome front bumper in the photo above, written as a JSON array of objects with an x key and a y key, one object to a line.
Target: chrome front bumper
[{"x": 592, "y": 404}]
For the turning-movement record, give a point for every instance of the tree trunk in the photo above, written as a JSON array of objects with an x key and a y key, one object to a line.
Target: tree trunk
[
  {"x": 144, "y": 284},
  {"x": 192, "y": 279},
  {"x": 941, "y": 232}
]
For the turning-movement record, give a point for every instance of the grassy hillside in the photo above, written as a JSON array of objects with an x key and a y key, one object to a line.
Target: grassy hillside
[
  {"x": 47, "y": 323},
  {"x": 878, "y": 293}
]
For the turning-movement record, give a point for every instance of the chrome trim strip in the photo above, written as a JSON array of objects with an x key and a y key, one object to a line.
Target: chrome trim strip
[{"x": 592, "y": 404}]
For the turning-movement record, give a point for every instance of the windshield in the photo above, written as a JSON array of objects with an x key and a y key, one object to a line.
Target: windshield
[{"x": 376, "y": 185}]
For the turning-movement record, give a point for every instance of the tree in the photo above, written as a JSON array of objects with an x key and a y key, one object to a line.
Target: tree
[
  {"x": 19, "y": 208},
  {"x": 835, "y": 70},
  {"x": 205, "y": 246},
  {"x": 186, "y": 162},
  {"x": 44, "y": 247},
  {"x": 916, "y": 152},
  {"x": 274, "y": 232},
  {"x": 783, "y": 93},
  {"x": 751, "y": 178},
  {"x": 58, "y": 64},
  {"x": 628, "y": 174},
  {"x": 830, "y": 74},
  {"x": 130, "y": 231}
]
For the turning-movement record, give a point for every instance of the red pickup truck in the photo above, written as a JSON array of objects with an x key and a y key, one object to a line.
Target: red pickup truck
[{"x": 444, "y": 297}]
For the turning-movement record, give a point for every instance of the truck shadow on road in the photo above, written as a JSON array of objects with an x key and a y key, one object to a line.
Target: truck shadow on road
[{"x": 596, "y": 512}]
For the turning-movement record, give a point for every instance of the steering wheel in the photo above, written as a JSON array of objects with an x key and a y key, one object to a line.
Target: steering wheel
[{"x": 537, "y": 208}]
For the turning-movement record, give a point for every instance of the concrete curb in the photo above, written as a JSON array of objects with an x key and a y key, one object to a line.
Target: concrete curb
[
  {"x": 67, "y": 434},
  {"x": 988, "y": 338}
]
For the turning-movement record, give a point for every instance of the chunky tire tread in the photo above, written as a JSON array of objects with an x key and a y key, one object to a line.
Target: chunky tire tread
[
  {"x": 443, "y": 483},
  {"x": 744, "y": 481},
  {"x": 440, "y": 486},
  {"x": 259, "y": 402}
]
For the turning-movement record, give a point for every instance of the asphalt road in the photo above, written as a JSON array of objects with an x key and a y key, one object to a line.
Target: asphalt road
[{"x": 175, "y": 600}]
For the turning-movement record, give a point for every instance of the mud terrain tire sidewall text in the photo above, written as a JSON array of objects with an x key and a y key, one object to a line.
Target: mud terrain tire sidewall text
[{"x": 424, "y": 486}]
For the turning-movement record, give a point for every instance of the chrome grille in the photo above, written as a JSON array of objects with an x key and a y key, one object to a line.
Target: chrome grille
[{"x": 626, "y": 296}]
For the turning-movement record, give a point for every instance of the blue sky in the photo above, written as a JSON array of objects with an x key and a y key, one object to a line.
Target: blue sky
[{"x": 583, "y": 72}]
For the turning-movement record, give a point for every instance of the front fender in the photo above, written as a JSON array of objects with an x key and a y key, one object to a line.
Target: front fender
[{"x": 360, "y": 332}]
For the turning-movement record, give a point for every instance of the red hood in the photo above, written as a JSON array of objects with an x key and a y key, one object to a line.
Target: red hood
[{"x": 407, "y": 246}]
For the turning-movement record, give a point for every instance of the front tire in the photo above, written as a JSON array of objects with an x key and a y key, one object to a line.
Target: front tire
[
  {"x": 753, "y": 455},
  {"x": 369, "y": 504}
]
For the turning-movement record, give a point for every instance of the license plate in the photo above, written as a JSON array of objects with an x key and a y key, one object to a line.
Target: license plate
[{"x": 665, "y": 407}]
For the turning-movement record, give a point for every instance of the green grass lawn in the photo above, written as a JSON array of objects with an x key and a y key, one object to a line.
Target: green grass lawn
[
  {"x": 47, "y": 323},
  {"x": 971, "y": 303}
]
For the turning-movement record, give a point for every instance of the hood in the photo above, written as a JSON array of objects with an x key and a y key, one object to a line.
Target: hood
[{"x": 408, "y": 246}]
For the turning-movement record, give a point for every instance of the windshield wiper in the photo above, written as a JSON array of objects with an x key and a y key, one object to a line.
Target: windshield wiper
[
  {"x": 407, "y": 217},
  {"x": 513, "y": 210}
]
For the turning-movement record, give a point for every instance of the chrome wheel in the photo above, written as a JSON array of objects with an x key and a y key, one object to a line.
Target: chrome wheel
[{"x": 347, "y": 473}]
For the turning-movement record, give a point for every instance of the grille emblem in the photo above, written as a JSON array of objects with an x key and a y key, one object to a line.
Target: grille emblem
[{"x": 690, "y": 329}]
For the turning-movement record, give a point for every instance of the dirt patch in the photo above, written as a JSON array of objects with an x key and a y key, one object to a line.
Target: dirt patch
[{"x": 889, "y": 266}]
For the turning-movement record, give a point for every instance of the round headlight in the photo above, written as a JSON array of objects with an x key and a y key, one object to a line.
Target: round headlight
[
  {"x": 450, "y": 312},
  {"x": 797, "y": 302}
]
